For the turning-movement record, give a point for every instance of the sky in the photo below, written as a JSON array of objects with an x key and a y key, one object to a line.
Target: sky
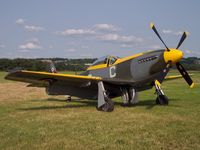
[{"x": 94, "y": 28}]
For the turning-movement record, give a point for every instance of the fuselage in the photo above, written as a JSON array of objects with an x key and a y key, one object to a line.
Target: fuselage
[{"x": 136, "y": 70}]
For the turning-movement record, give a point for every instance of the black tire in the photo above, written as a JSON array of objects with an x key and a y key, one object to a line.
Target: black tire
[
  {"x": 107, "y": 107},
  {"x": 157, "y": 101},
  {"x": 99, "y": 108},
  {"x": 162, "y": 100}
]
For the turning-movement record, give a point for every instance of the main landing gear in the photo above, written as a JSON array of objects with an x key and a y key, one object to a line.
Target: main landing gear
[
  {"x": 129, "y": 96},
  {"x": 161, "y": 98},
  {"x": 104, "y": 102}
]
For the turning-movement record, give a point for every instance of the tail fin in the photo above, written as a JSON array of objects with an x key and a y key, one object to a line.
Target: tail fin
[{"x": 51, "y": 67}]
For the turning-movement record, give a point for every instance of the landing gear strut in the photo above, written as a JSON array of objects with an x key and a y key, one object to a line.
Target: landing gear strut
[
  {"x": 104, "y": 102},
  {"x": 161, "y": 98}
]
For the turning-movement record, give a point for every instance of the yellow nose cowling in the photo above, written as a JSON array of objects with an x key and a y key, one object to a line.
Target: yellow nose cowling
[{"x": 174, "y": 55}]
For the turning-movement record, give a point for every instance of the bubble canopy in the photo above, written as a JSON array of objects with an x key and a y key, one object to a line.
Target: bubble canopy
[{"x": 105, "y": 60}]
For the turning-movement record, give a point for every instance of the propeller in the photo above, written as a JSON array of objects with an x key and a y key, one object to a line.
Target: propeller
[
  {"x": 182, "y": 39},
  {"x": 165, "y": 71},
  {"x": 176, "y": 58},
  {"x": 152, "y": 26},
  {"x": 185, "y": 75}
]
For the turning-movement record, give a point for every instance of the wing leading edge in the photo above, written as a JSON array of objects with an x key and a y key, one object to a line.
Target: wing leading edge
[
  {"x": 43, "y": 78},
  {"x": 174, "y": 77}
]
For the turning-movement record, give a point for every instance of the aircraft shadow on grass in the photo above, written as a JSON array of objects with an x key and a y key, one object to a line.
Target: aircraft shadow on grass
[{"x": 78, "y": 103}]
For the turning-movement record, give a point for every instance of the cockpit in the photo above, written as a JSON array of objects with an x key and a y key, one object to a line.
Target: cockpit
[{"x": 109, "y": 60}]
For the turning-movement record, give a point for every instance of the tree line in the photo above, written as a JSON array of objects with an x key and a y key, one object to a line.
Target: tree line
[
  {"x": 42, "y": 64},
  {"x": 64, "y": 64},
  {"x": 191, "y": 63}
]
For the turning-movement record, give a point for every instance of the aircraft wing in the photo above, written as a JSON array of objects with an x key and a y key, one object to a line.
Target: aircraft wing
[{"x": 45, "y": 78}]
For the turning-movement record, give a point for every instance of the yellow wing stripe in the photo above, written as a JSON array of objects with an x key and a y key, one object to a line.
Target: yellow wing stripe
[
  {"x": 64, "y": 75},
  {"x": 120, "y": 60},
  {"x": 174, "y": 77},
  {"x": 97, "y": 67}
]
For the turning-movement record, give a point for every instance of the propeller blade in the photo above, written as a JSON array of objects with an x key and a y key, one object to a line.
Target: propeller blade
[
  {"x": 182, "y": 39},
  {"x": 164, "y": 72},
  {"x": 152, "y": 26},
  {"x": 185, "y": 74}
]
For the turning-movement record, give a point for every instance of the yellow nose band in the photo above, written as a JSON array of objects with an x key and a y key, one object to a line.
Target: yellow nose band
[{"x": 174, "y": 55}]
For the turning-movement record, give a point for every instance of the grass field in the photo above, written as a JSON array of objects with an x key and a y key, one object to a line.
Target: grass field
[{"x": 29, "y": 119}]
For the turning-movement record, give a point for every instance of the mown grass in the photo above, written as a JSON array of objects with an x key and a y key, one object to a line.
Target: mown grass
[
  {"x": 2, "y": 75},
  {"x": 31, "y": 120}
]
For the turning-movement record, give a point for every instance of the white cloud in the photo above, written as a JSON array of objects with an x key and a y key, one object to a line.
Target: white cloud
[
  {"x": 69, "y": 32},
  {"x": 95, "y": 33},
  {"x": 24, "y": 50},
  {"x": 20, "y": 21},
  {"x": 27, "y": 27},
  {"x": 178, "y": 33},
  {"x": 32, "y": 28},
  {"x": 71, "y": 50},
  {"x": 106, "y": 27},
  {"x": 31, "y": 44},
  {"x": 188, "y": 52},
  {"x": 126, "y": 45},
  {"x": 89, "y": 31},
  {"x": 120, "y": 38},
  {"x": 155, "y": 47},
  {"x": 194, "y": 53},
  {"x": 34, "y": 40},
  {"x": 166, "y": 31}
]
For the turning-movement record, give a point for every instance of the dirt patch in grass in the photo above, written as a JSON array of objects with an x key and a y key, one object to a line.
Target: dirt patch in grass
[{"x": 16, "y": 91}]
